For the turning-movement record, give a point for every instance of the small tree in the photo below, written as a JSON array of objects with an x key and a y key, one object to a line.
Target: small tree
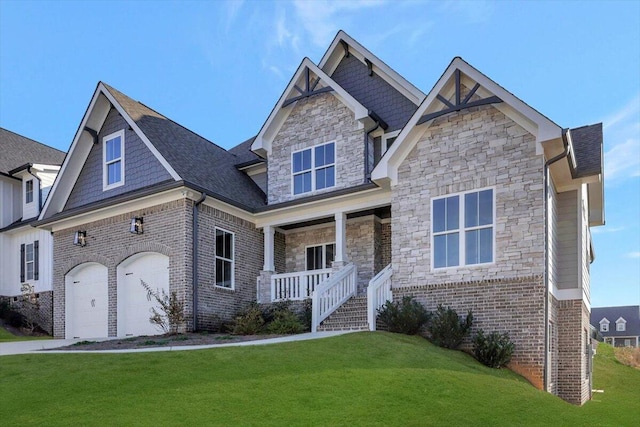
[
  {"x": 171, "y": 314},
  {"x": 30, "y": 307}
]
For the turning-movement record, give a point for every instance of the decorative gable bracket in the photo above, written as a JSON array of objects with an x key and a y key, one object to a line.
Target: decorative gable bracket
[
  {"x": 309, "y": 90},
  {"x": 459, "y": 104}
]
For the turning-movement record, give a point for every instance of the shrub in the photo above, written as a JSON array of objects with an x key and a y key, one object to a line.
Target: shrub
[
  {"x": 285, "y": 322},
  {"x": 493, "y": 350},
  {"x": 306, "y": 315},
  {"x": 171, "y": 314},
  {"x": 5, "y": 308},
  {"x": 250, "y": 322},
  {"x": 15, "y": 319},
  {"x": 447, "y": 329},
  {"x": 405, "y": 317}
]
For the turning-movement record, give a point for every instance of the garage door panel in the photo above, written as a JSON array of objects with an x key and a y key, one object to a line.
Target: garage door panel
[{"x": 87, "y": 302}]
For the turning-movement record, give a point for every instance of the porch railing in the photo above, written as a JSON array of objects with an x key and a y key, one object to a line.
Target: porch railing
[
  {"x": 332, "y": 293},
  {"x": 297, "y": 286},
  {"x": 378, "y": 293}
]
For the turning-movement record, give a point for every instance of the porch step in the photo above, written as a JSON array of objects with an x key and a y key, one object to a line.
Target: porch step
[{"x": 351, "y": 316}]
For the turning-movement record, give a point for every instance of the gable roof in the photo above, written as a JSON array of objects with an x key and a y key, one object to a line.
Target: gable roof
[
  {"x": 587, "y": 144},
  {"x": 18, "y": 150},
  {"x": 188, "y": 157},
  {"x": 630, "y": 313}
]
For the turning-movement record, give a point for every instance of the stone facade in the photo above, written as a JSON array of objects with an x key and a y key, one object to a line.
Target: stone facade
[{"x": 316, "y": 120}]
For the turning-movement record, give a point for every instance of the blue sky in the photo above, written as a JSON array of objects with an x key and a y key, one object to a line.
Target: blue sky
[{"x": 219, "y": 67}]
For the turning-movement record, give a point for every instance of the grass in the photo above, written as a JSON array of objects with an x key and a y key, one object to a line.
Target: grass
[
  {"x": 354, "y": 379},
  {"x": 6, "y": 336}
]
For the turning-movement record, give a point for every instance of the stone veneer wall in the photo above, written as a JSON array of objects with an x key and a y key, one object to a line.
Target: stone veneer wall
[
  {"x": 44, "y": 316},
  {"x": 508, "y": 305},
  {"x": 385, "y": 244},
  {"x": 313, "y": 121},
  {"x": 167, "y": 230},
  {"x": 574, "y": 364},
  {"x": 279, "y": 252},
  {"x": 216, "y": 304}
]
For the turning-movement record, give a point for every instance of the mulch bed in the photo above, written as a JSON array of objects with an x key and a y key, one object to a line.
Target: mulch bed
[{"x": 186, "y": 339}]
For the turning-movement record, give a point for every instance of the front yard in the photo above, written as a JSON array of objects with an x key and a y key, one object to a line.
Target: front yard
[{"x": 355, "y": 379}]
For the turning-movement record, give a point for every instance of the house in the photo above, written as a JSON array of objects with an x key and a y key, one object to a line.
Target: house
[
  {"x": 27, "y": 171},
  {"x": 358, "y": 188},
  {"x": 620, "y": 326}
]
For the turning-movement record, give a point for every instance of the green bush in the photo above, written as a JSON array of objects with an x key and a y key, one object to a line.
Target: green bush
[
  {"x": 5, "y": 308},
  {"x": 306, "y": 315},
  {"x": 250, "y": 322},
  {"x": 404, "y": 317},
  {"x": 285, "y": 322},
  {"x": 15, "y": 319},
  {"x": 448, "y": 330},
  {"x": 493, "y": 350}
]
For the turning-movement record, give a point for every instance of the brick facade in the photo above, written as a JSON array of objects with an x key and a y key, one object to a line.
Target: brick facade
[
  {"x": 43, "y": 316},
  {"x": 574, "y": 356}
]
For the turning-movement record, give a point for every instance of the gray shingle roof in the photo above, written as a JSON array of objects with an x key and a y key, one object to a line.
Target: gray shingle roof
[
  {"x": 587, "y": 143},
  {"x": 18, "y": 150},
  {"x": 244, "y": 154},
  {"x": 630, "y": 313},
  {"x": 198, "y": 161}
]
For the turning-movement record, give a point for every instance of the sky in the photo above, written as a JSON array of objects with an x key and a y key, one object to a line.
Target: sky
[{"x": 218, "y": 68}]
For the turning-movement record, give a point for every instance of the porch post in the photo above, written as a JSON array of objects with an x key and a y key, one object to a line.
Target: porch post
[
  {"x": 269, "y": 232},
  {"x": 340, "y": 257}
]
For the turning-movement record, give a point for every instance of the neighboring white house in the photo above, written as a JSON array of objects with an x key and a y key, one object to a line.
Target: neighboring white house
[{"x": 27, "y": 171}]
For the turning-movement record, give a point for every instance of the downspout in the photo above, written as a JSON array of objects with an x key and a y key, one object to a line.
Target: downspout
[
  {"x": 378, "y": 123},
  {"x": 194, "y": 260},
  {"x": 565, "y": 153},
  {"x": 39, "y": 188}
]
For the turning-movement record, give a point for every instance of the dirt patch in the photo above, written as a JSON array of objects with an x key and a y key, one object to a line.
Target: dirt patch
[{"x": 143, "y": 342}]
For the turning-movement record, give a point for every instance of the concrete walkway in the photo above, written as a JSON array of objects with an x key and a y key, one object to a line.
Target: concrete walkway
[{"x": 35, "y": 347}]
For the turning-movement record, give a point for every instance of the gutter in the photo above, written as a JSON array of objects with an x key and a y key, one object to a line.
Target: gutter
[
  {"x": 378, "y": 123},
  {"x": 194, "y": 260},
  {"x": 548, "y": 163}
]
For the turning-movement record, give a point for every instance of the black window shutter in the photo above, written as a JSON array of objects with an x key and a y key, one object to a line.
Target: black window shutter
[
  {"x": 22, "y": 262},
  {"x": 36, "y": 246}
]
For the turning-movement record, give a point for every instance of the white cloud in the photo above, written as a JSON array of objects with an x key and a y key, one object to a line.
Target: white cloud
[
  {"x": 633, "y": 255},
  {"x": 622, "y": 135},
  {"x": 231, "y": 12}
]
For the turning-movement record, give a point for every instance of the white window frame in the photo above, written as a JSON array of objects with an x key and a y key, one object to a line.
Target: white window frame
[
  {"x": 28, "y": 261},
  {"x": 621, "y": 325},
  {"x": 324, "y": 254},
  {"x": 462, "y": 229},
  {"x": 383, "y": 141},
  {"x": 105, "y": 165},
  {"x": 604, "y": 325},
  {"x": 28, "y": 193},
  {"x": 231, "y": 260},
  {"x": 313, "y": 168}
]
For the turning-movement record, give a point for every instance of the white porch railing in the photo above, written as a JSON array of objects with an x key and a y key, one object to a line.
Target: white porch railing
[
  {"x": 332, "y": 293},
  {"x": 378, "y": 293},
  {"x": 297, "y": 286}
]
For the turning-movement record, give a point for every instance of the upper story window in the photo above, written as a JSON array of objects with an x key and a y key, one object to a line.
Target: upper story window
[
  {"x": 621, "y": 325},
  {"x": 225, "y": 259},
  {"x": 321, "y": 256},
  {"x": 113, "y": 160},
  {"x": 463, "y": 229},
  {"x": 604, "y": 325},
  {"x": 28, "y": 192},
  {"x": 314, "y": 168}
]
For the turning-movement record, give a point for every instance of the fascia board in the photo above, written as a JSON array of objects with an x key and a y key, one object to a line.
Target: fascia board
[
  {"x": 276, "y": 119},
  {"x": 141, "y": 134},
  {"x": 332, "y": 58},
  {"x": 72, "y": 164}
]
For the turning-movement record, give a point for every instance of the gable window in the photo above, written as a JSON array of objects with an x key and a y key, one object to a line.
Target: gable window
[
  {"x": 621, "y": 325},
  {"x": 113, "y": 160},
  {"x": 604, "y": 325},
  {"x": 29, "y": 261},
  {"x": 28, "y": 192},
  {"x": 224, "y": 259},
  {"x": 463, "y": 229},
  {"x": 314, "y": 168},
  {"x": 321, "y": 256}
]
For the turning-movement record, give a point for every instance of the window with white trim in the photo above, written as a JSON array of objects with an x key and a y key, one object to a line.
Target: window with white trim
[
  {"x": 313, "y": 168},
  {"x": 29, "y": 261},
  {"x": 621, "y": 325},
  {"x": 462, "y": 228},
  {"x": 225, "y": 259},
  {"x": 113, "y": 160},
  {"x": 28, "y": 191},
  {"x": 320, "y": 256},
  {"x": 604, "y": 325}
]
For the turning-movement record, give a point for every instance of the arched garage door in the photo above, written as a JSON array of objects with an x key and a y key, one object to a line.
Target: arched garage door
[
  {"x": 134, "y": 308},
  {"x": 86, "y": 301}
]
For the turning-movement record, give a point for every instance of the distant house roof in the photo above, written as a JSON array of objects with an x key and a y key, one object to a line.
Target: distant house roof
[
  {"x": 199, "y": 162},
  {"x": 587, "y": 143},
  {"x": 18, "y": 151},
  {"x": 630, "y": 313}
]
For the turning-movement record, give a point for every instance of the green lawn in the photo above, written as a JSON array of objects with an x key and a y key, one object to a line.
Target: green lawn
[
  {"x": 6, "y": 336},
  {"x": 354, "y": 379}
]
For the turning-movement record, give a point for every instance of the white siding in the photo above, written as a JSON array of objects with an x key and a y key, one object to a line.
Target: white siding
[
  {"x": 552, "y": 215},
  {"x": 585, "y": 242},
  {"x": 567, "y": 229},
  {"x": 30, "y": 210},
  {"x": 10, "y": 203}
]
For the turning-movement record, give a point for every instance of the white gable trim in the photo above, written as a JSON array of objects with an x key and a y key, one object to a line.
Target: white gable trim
[
  {"x": 604, "y": 321},
  {"x": 276, "y": 119},
  {"x": 335, "y": 53},
  {"x": 532, "y": 121},
  {"x": 621, "y": 320},
  {"x": 94, "y": 118}
]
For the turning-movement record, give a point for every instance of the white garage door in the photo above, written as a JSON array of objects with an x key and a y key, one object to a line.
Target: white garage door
[
  {"x": 134, "y": 308},
  {"x": 86, "y": 301}
]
